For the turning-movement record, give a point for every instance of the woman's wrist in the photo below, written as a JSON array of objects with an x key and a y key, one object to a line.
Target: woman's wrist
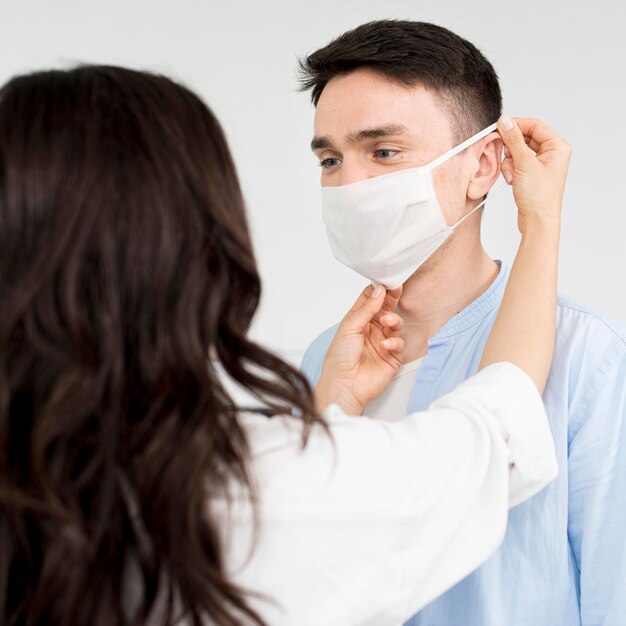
[
  {"x": 329, "y": 392},
  {"x": 541, "y": 226}
]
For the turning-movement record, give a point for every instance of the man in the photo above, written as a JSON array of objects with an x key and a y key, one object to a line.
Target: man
[{"x": 394, "y": 95}]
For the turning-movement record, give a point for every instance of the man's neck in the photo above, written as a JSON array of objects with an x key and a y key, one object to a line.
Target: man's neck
[{"x": 432, "y": 297}]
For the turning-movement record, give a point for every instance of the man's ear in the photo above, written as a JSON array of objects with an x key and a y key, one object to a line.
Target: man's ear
[{"x": 487, "y": 166}]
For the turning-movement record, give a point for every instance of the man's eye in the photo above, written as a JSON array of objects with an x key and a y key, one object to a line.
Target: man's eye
[
  {"x": 385, "y": 154},
  {"x": 330, "y": 162}
]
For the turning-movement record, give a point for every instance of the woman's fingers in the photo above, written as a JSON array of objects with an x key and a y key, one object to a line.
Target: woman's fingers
[
  {"x": 391, "y": 323},
  {"x": 364, "y": 309},
  {"x": 540, "y": 138},
  {"x": 535, "y": 165},
  {"x": 392, "y": 298},
  {"x": 506, "y": 168},
  {"x": 531, "y": 142},
  {"x": 537, "y": 132},
  {"x": 371, "y": 306},
  {"x": 394, "y": 345},
  {"x": 514, "y": 141},
  {"x": 390, "y": 303}
]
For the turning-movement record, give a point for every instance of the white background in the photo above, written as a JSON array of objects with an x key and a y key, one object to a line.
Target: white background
[{"x": 564, "y": 62}]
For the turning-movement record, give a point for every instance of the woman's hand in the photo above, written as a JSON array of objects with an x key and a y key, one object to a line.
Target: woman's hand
[
  {"x": 536, "y": 165},
  {"x": 365, "y": 354},
  {"x": 524, "y": 331}
]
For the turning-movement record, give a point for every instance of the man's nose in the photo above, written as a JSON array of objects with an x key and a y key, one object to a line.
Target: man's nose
[{"x": 354, "y": 172}]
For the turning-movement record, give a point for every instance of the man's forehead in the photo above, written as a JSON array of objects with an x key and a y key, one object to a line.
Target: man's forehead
[{"x": 356, "y": 104}]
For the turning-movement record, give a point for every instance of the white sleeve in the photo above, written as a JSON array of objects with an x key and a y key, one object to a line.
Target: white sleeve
[{"x": 369, "y": 527}]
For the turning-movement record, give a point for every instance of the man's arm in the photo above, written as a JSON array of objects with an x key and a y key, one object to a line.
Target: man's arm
[{"x": 597, "y": 487}]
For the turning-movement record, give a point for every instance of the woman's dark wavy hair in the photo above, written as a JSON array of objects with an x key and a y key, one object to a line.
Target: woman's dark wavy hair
[{"x": 125, "y": 262}]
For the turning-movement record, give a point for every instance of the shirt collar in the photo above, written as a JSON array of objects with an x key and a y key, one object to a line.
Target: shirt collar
[{"x": 478, "y": 309}]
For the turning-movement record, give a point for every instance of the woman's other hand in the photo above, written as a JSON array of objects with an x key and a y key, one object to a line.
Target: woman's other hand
[
  {"x": 365, "y": 354},
  {"x": 535, "y": 165}
]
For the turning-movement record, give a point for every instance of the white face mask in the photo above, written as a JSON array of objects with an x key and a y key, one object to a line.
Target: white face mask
[{"x": 384, "y": 228}]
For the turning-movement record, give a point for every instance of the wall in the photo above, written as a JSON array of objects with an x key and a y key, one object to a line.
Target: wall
[{"x": 564, "y": 62}]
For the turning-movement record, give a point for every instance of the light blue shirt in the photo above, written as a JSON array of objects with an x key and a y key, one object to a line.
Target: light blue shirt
[{"x": 563, "y": 560}]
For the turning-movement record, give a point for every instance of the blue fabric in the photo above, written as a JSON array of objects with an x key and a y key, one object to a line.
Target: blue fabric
[{"x": 563, "y": 560}]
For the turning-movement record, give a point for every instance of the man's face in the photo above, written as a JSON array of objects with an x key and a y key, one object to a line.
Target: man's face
[{"x": 367, "y": 125}]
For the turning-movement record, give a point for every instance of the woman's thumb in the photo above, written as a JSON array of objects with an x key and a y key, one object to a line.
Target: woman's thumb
[
  {"x": 359, "y": 317},
  {"x": 514, "y": 140}
]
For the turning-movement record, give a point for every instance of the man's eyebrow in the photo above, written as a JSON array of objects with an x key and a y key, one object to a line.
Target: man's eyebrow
[
  {"x": 375, "y": 133},
  {"x": 320, "y": 143}
]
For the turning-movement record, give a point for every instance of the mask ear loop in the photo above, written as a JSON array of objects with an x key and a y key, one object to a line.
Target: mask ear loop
[
  {"x": 497, "y": 189},
  {"x": 466, "y": 144}
]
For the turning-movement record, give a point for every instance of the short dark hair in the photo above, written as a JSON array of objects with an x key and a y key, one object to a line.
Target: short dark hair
[{"x": 414, "y": 52}]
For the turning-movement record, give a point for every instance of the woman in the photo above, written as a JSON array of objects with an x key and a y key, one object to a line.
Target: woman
[{"x": 131, "y": 482}]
